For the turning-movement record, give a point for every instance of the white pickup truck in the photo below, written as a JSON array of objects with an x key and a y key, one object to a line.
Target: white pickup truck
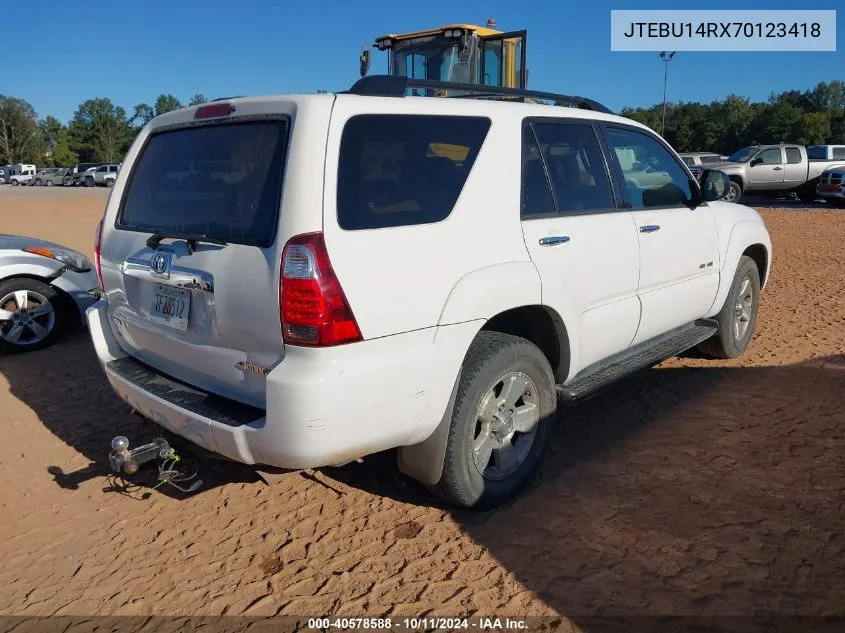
[
  {"x": 772, "y": 169},
  {"x": 424, "y": 274}
]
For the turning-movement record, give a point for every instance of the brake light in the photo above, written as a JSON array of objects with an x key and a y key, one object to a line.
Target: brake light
[
  {"x": 313, "y": 309},
  {"x": 213, "y": 110},
  {"x": 98, "y": 238}
]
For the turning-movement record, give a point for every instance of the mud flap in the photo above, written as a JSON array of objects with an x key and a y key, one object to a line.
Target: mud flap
[{"x": 424, "y": 461}]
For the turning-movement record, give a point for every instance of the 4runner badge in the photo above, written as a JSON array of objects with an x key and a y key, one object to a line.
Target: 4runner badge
[{"x": 255, "y": 369}]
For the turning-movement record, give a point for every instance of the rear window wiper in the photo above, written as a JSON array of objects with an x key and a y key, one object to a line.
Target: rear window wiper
[{"x": 191, "y": 239}]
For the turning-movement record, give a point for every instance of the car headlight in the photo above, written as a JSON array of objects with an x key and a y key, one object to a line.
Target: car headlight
[{"x": 77, "y": 262}]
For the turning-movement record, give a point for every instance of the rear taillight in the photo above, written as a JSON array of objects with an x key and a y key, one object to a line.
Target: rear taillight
[
  {"x": 98, "y": 238},
  {"x": 313, "y": 309}
]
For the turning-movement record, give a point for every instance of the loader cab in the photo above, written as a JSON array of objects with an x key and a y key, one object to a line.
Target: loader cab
[{"x": 459, "y": 53}]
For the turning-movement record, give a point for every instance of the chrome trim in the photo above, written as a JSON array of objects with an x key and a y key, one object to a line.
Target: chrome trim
[
  {"x": 649, "y": 228},
  {"x": 179, "y": 276},
  {"x": 554, "y": 239}
]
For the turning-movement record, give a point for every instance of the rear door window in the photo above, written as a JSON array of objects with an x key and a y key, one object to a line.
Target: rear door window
[
  {"x": 223, "y": 181},
  {"x": 793, "y": 155},
  {"x": 575, "y": 163},
  {"x": 400, "y": 170}
]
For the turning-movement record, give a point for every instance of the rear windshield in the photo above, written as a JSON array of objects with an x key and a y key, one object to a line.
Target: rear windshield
[
  {"x": 222, "y": 181},
  {"x": 400, "y": 170}
]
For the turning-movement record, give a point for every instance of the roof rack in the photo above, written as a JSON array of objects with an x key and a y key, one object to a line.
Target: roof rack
[{"x": 398, "y": 86}]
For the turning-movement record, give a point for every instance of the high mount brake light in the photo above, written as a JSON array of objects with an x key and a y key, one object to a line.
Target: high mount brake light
[
  {"x": 213, "y": 110},
  {"x": 312, "y": 306}
]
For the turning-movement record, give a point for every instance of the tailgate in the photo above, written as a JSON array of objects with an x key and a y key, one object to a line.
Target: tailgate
[{"x": 190, "y": 250}]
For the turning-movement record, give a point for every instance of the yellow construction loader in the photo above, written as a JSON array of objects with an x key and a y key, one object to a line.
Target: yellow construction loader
[{"x": 457, "y": 53}]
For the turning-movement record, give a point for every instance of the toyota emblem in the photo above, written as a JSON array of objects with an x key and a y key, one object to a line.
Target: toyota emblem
[{"x": 158, "y": 264}]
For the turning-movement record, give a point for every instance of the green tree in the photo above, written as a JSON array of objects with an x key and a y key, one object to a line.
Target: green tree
[
  {"x": 166, "y": 103},
  {"x": 645, "y": 116},
  {"x": 736, "y": 114},
  {"x": 55, "y": 140},
  {"x": 143, "y": 114},
  {"x": 815, "y": 128},
  {"x": 19, "y": 131},
  {"x": 197, "y": 99},
  {"x": 100, "y": 131}
]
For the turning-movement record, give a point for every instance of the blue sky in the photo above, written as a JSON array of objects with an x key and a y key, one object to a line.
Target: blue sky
[{"x": 132, "y": 52}]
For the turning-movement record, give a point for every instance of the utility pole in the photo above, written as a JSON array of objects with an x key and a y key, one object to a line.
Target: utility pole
[{"x": 666, "y": 57}]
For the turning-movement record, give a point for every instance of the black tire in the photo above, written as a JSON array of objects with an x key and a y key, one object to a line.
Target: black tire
[
  {"x": 490, "y": 357},
  {"x": 89, "y": 182},
  {"x": 807, "y": 192},
  {"x": 735, "y": 190},
  {"x": 38, "y": 182},
  {"x": 49, "y": 183},
  {"x": 726, "y": 344},
  {"x": 15, "y": 183},
  {"x": 61, "y": 309},
  {"x": 110, "y": 182}
]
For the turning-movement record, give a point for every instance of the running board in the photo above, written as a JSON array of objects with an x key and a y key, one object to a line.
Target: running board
[{"x": 646, "y": 355}]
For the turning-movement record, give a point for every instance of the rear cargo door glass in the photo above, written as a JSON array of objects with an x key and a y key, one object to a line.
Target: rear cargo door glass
[
  {"x": 222, "y": 181},
  {"x": 400, "y": 170}
]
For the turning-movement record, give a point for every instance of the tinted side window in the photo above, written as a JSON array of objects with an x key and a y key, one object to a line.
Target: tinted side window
[
  {"x": 576, "y": 166},
  {"x": 771, "y": 156},
  {"x": 711, "y": 159},
  {"x": 400, "y": 170},
  {"x": 838, "y": 153},
  {"x": 537, "y": 196},
  {"x": 688, "y": 160},
  {"x": 653, "y": 177},
  {"x": 793, "y": 155}
]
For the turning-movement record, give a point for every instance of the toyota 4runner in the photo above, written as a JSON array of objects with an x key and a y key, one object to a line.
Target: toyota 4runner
[{"x": 366, "y": 270}]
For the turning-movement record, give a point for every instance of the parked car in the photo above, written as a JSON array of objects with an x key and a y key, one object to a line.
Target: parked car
[
  {"x": 44, "y": 289},
  {"x": 104, "y": 175},
  {"x": 79, "y": 173},
  {"x": 84, "y": 178},
  {"x": 695, "y": 160},
  {"x": 339, "y": 300},
  {"x": 773, "y": 168},
  {"x": 50, "y": 177},
  {"x": 832, "y": 185}
]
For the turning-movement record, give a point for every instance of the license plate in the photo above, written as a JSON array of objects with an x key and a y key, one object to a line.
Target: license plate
[{"x": 169, "y": 306}]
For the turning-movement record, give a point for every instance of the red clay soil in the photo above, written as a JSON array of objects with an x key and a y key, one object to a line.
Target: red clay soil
[{"x": 697, "y": 488}]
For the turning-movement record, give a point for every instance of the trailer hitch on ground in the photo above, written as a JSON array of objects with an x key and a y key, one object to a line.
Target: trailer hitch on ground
[{"x": 128, "y": 461}]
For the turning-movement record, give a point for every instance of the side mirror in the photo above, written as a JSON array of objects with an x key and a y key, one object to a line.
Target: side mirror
[
  {"x": 365, "y": 59},
  {"x": 756, "y": 161},
  {"x": 715, "y": 185}
]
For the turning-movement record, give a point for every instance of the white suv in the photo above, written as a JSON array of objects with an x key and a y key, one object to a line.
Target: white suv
[{"x": 431, "y": 274}]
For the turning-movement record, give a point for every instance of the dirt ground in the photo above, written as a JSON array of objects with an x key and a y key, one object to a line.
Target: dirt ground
[{"x": 697, "y": 488}]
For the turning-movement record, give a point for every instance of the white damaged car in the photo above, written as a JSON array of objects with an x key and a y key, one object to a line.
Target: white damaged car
[{"x": 44, "y": 289}]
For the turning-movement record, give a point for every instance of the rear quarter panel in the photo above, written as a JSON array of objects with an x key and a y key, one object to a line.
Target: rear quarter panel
[{"x": 399, "y": 279}]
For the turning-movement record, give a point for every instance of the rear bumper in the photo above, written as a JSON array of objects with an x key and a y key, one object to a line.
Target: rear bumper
[{"x": 324, "y": 406}]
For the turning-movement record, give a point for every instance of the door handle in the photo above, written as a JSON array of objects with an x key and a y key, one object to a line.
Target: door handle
[
  {"x": 554, "y": 239},
  {"x": 778, "y": 168},
  {"x": 649, "y": 228}
]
